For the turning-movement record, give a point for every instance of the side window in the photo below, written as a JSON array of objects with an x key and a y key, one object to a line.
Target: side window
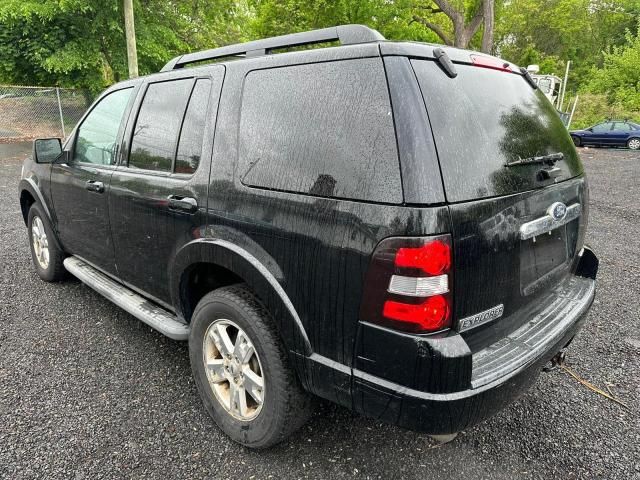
[
  {"x": 322, "y": 129},
  {"x": 622, "y": 127},
  {"x": 192, "y": 133},
  {"x": 97, "y": 136},
  {"x": 155, "y": 133},
  {"x": 603, "y": 127}
]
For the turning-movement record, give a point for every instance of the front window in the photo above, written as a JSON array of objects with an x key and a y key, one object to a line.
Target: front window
[
  {"x": 602, "y": 127},
  {"x": 97, "y": 136}
]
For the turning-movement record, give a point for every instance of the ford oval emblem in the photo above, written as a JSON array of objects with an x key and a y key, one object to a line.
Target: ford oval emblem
[{"x": 557, "y": 211}]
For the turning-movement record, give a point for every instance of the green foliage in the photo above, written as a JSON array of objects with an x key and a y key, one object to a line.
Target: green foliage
[
  {"x": 81, "y": 42},
  {"x": 595, "y": 108},
  {"x": 619, "y": 78},
  {"x": 550, "y": 32},
  {"x": 393, "y": 19}
]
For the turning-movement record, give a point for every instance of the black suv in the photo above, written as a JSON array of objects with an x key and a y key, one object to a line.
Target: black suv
[{"x": 395, "y": 227}]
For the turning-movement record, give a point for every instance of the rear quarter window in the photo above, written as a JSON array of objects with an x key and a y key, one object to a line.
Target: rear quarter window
[{"x": 321, "y": 129}]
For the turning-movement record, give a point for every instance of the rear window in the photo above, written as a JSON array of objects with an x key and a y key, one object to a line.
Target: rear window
[
  {"x": 156, "y": 131},
  {"x": 192, "y": 132},
  {"x": 321, "y": 129},
  {"x": 484, "y": 119}
]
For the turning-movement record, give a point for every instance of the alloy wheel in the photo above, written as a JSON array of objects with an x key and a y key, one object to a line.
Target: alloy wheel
[
  {"x": 233, "y": 369},
  {"x": 40, "y": 242}
]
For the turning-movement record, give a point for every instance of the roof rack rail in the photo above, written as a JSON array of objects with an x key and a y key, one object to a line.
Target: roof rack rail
[{"x": 345, "y": 34}]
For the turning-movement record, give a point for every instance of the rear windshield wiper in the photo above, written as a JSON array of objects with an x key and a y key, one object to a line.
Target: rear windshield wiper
[
  {"x": 527, "y": 76},
  {"x": 550, "y": 159}
]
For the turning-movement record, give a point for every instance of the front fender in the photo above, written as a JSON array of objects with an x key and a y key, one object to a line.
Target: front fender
[
  {"x": 29, "y": 185},
  {"x": 263, "y": 282}
]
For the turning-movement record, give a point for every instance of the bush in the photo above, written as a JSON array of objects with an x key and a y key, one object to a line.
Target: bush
[
  {"x": 613, "y": 91},
  {"x": 594, "y": 108}
]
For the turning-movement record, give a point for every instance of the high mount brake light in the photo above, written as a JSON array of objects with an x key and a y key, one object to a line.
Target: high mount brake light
[
  {"x": 490, "y": 62},
  {"x": 407, "y": 286}
]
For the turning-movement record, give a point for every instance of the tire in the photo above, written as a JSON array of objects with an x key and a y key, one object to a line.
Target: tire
[
  {"x": 576, "y": 141},
  {"x": 633, "y": 143},
  {"x": 285, "y": 405},
  {"x": 47, "y": 257}
]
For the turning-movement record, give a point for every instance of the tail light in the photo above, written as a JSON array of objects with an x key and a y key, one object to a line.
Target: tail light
[{"x": 407, "y": 286}]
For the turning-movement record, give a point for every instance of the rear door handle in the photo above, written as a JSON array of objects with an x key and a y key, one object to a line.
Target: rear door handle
[
  {"x": 183, "y": 204},
  {"x": 94, "y": 186}
]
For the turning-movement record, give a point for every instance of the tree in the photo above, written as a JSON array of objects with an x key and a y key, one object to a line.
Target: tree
[
  {"x": 619, "y": 78},
  {"x": 550, "y": 32},
  {"x": 463, "y": 28},
  {"x": 130, "y": 32},
  {"x": 81, "y": 43}
]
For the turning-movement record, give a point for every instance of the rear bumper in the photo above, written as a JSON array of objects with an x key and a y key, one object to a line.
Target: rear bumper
[{"x": 491, "y": 378}]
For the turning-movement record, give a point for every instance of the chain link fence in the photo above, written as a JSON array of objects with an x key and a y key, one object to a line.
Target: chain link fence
[{"x": 27, "y": 113}]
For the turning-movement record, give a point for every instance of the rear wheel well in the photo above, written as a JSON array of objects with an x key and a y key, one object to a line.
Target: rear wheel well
[
  {"x": 200, "y": 279},
  {"x": 26, "y": 200}
]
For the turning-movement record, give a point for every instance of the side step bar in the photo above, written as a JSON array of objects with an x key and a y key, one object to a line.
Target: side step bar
[{"x": 138, "y": 306}]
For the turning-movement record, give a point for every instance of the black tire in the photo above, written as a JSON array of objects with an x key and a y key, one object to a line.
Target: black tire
[
  {"x": 576, "y": 141},
  {"x": 286, "y": 406},
  {"x": 633, "y": 143},
  {"x": 54, "y": 271}
]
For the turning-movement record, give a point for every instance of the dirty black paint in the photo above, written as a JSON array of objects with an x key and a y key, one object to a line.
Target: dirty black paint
[{"x": 302, "y": 241}]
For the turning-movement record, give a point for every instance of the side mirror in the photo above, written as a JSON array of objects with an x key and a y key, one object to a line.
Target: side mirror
[
  {"x": 590, "y": 130},
  {"x": 47, "y": 150}
]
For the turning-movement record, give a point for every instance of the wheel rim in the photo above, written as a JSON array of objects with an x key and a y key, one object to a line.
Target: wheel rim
[
  {"x": 40, "y": 242},
  {"x": 233, "y": 369},
  {"x": 634, "y": 144}
]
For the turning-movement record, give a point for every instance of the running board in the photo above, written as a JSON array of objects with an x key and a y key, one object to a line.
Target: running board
[{"x": 138, "y": 306}]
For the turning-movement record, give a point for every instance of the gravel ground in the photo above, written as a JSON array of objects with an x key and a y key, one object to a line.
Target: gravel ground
[{"x": 87, "y": 391}]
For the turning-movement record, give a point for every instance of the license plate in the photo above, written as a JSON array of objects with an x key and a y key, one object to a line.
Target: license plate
[{"x": 541, "y": 257}]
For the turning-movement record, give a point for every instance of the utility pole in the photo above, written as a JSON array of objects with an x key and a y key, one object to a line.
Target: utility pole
[
  {"x": 130, "y": 31},
  {"x": 564, "y": 85}
]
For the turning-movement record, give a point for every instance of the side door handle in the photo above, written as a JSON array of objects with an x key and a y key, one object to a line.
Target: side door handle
[
  {"x": 94, "y": 186},
  {"x": 183, "y": 204}
]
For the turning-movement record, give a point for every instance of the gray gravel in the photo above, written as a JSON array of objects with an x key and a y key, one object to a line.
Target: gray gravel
[{"x": 87, "y": 391}]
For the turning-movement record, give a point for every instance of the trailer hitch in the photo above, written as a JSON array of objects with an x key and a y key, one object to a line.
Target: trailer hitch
[{"x": 557, "y": 361}]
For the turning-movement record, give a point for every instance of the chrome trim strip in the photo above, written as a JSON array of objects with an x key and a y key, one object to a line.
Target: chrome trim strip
[{"x": 547, "y": 223}]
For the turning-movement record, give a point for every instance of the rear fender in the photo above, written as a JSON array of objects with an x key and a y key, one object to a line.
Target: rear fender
[{"x": 263, "y": 281}]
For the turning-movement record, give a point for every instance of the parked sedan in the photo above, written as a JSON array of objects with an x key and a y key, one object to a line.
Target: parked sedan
[{"x": 613, "y": 133}]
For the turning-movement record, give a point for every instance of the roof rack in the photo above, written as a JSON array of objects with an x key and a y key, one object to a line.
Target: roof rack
[{"x": 345, "y": 34}]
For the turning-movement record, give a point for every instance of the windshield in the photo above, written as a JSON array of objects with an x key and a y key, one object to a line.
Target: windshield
[
  {"x": 545, "y": 85},
  {"x": 482, "y": 120}
]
